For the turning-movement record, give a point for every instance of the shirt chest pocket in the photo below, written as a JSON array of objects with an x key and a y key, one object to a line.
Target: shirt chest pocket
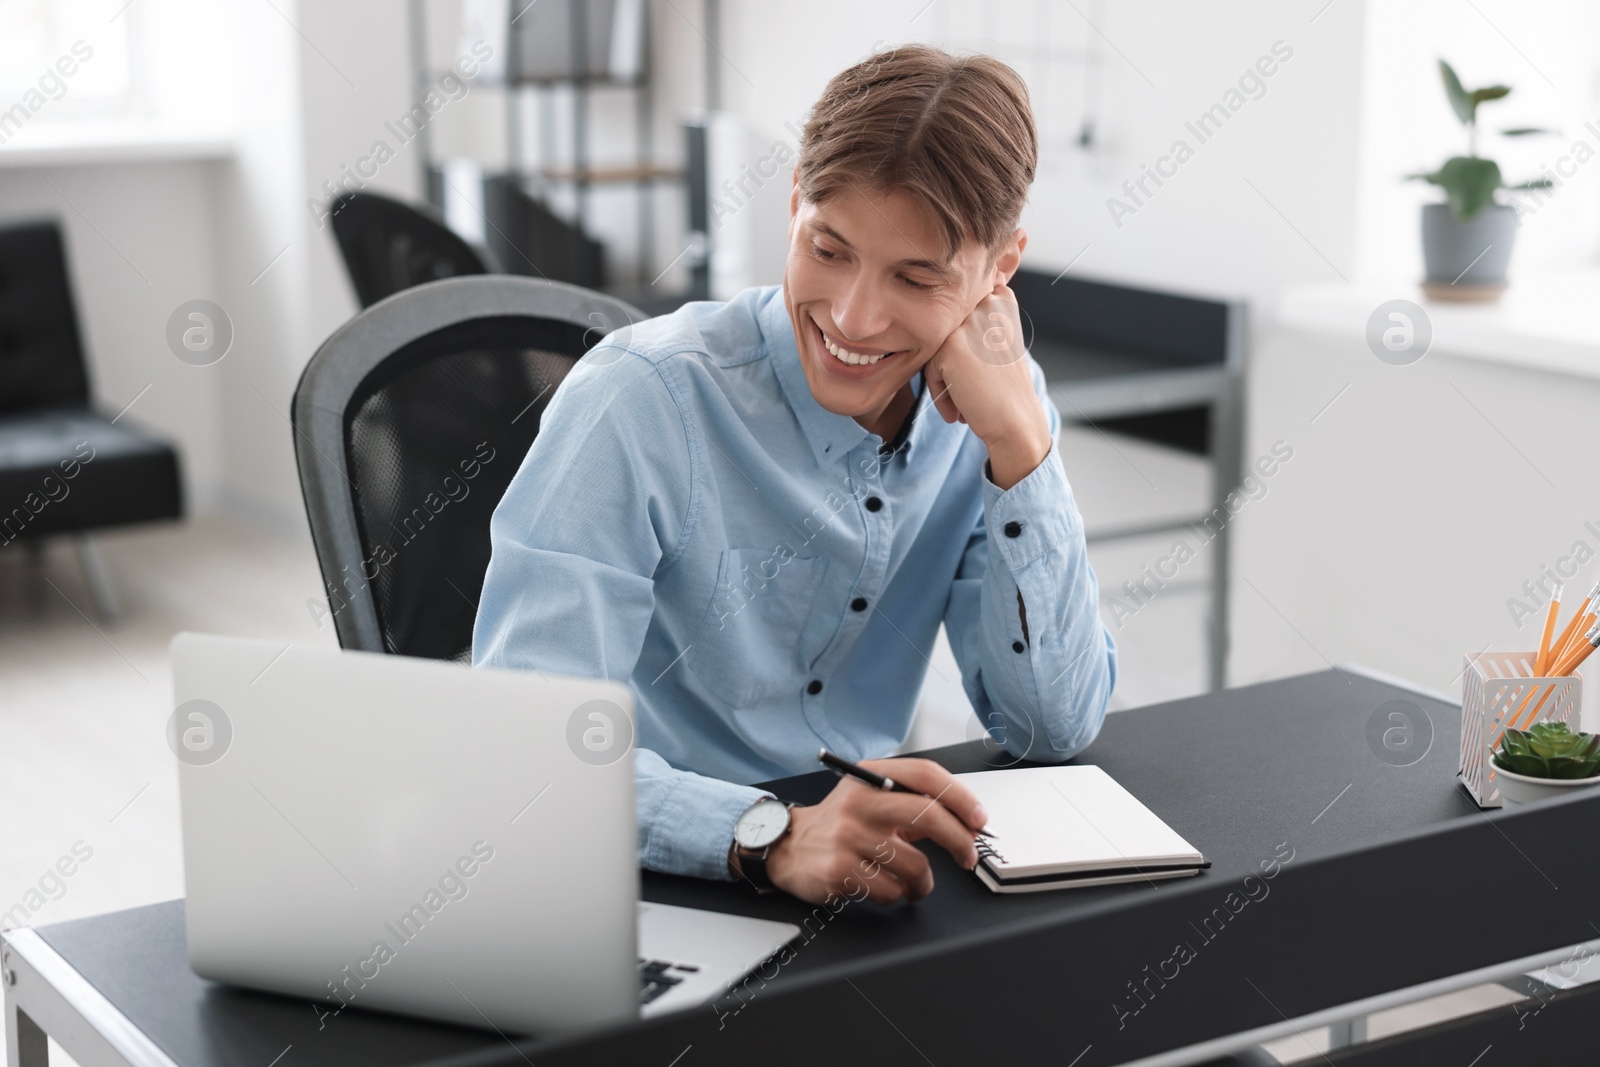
[{"x": 748, "y": 647}]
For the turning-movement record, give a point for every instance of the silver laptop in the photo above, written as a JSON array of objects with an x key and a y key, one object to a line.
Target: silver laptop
[{"x": 388, "y": 832}]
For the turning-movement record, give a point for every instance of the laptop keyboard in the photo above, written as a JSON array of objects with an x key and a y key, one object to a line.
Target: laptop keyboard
[{"x": 656, "y": 977}]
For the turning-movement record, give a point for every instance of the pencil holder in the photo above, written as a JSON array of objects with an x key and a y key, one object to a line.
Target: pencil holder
[{"x": 1500, "y": 692}]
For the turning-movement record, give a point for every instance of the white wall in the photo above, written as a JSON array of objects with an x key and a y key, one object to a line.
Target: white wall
[
  {"x": 319, "y": 94},
  {"x": 1415, "y": 508},
  {"x": 261, "y": 272},
  {"x": 1206, "y": 229}
]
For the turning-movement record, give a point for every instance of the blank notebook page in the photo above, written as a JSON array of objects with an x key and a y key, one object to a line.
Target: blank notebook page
[{"x": 1056, "y": 820}]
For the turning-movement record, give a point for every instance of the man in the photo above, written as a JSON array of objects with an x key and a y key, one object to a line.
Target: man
[{"x": 745, "y": 510}]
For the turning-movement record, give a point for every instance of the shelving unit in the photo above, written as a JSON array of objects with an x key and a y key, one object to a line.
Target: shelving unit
[
  {"x": 537, "y": 178},
  {"x": 537, "y": 170}
]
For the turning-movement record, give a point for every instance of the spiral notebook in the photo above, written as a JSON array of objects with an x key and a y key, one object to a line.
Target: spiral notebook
[{"x": 1057, "y": 827}]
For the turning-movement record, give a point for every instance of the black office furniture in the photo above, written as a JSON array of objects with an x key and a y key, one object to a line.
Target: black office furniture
[
  {"x": 1161, "y": 366},
  {"x": 1342, "y": 884},
  {"x": 408, "y": 425},
  {"x": 530, "y": 239},
  {"x": 537, "y": 49},
  {"x": 64, "y": 467},
  {"x": 538, "y": 210},
  {"x": 697, "y": 187},
  {"x": 388, "y": 246},
  {"x": 1556, "y": 1026}
]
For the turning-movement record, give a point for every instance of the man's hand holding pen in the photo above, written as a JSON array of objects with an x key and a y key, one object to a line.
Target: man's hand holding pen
[{"x": 861, "y": 835}]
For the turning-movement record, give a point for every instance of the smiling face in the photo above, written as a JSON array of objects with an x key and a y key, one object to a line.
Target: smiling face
[{"x": 865, "y": 272}]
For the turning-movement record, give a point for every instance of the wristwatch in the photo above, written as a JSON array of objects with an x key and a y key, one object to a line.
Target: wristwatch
[{"x": 762, "y": 825}]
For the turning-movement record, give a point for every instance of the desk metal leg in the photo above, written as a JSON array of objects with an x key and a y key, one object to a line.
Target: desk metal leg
[
  {"x": 26, "y": 1045},
  {"x": 1227, "y": 448},
  {"x": 44, "y": 995},
  {"x": 1347, "y": 1032}
]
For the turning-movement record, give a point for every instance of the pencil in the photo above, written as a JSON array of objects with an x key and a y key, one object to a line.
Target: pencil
[
  {"x": 1586, "y": 646},
  {"x": 845, "y": 768},
  {"x": 1584, "y": 651},
  {"x": 1552, "y": 653},
  {"x": 1542, "y": 659},
  {"x": 1575, "y": 626},
  {"x": 1576, "y": 643}
]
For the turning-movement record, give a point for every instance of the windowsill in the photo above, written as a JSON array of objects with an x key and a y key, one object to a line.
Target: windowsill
[
  {"x": 1544, "y": 320},
  {"x": 99, "y": 142}
]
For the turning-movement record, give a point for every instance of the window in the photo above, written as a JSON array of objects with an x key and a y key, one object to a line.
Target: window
[{"x": 42, "y": 40}]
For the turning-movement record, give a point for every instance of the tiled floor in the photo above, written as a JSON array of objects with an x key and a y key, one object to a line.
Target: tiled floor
[{"x": 83, "y": 704}]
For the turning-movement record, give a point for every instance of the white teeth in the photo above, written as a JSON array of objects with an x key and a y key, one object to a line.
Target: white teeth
[{"x": 852, "y": 358}]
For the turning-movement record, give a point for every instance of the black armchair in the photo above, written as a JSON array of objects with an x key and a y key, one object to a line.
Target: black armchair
[{"x": 65, "y": 468}]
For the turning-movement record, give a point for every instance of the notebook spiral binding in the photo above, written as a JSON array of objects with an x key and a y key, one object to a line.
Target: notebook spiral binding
[{"x": 988, "y": 851}]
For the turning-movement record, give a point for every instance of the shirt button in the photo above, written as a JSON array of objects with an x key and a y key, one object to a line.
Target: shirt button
[
  {"x": 1016, "y": 646},
  {"x": 858, "y": 604},
  {"x": 815, "y": 687},
  {"x": 873, "y": 503},
  {"x": 1013, "y": 529}
]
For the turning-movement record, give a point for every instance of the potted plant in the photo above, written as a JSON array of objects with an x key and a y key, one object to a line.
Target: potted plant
[
  {"x": 1466, "y": 241},
  {"x": 1547, "y": 760}
]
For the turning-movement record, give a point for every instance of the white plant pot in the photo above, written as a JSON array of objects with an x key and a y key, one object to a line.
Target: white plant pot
[{"x": 1520, "y": 789}]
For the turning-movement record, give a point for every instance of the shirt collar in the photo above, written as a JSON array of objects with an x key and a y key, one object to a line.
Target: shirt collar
[
  {"x": 916, "y": 416},
  {"x": 830, "y": 435}
]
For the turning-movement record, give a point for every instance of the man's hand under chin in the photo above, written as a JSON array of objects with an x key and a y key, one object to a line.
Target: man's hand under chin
[{"x": 980, "y": 376}]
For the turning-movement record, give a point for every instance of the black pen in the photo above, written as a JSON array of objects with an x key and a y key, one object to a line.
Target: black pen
[{"x": 877, "y": 781}]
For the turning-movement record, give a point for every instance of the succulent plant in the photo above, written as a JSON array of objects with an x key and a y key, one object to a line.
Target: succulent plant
[{"x": 1549, "y": 750}]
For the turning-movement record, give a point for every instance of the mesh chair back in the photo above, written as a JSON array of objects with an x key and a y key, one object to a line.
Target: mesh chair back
[
  {"x": 409, "y": 423},
  {"x": 389, "y": 246},
  {"x": 41, "y": 356}
]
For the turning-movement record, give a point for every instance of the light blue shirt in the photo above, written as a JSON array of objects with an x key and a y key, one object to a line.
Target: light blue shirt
[{"x": 769, "y": 582}]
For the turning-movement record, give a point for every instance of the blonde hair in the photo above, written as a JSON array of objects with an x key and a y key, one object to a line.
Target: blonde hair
[{"x": 955, "y": 131}]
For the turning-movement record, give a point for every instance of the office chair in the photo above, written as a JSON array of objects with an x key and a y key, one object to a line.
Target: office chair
[
  {"x": 408, "y": 425},
  {"x": 388, "y": 246},
  {"x": 530, "y": 239},
  {"x": 65, "y": 468}
]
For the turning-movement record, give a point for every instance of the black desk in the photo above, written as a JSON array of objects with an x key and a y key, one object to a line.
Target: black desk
[{"x": 1391, "y": 886}]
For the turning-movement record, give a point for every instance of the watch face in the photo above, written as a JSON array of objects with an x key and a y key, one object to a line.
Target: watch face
[{"x": 761, "y": 824}]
